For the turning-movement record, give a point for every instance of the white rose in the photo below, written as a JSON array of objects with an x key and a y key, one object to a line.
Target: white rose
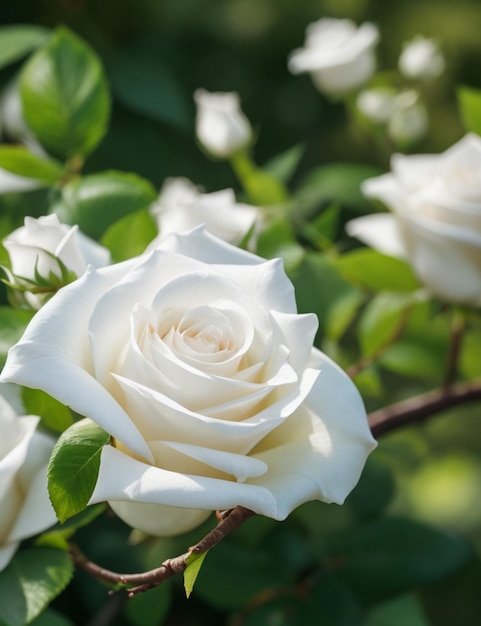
[
  {"x": 182, "y": 206},
  {"x": 194, "y": 359},
  {"x": 338, "y": 55},
  {"x": 221, "y": 126},
  {"x": 421, "y": 59},
  {"x": 436, "y": 218},
  {"x": 25, "y": 508},
  {"x": 35, "y": 247}
]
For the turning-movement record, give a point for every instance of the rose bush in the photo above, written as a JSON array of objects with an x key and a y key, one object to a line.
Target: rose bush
[
  {"x": 436, "y": 218},
  {"x": 25, "y": 509},
  {"x": 338, "y": 55},
  {"x": 221, "y": 126},
  {"x": 42, "y": 246},
  {"x": 182, "y": 206},
  {"x": 194, "y": 359}
]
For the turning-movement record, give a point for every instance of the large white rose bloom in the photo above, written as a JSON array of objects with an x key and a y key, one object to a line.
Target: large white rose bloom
[
  {"x": 221, "y": 126},
  {"x": 182, "y": 206},
  {"x": 338, "y": 55},
  {"x": 39, "y": 245},
  {"x": 194, "y": 359},
  {"x": 25, "y": 508},
  {"x": 435, "y": 222}
]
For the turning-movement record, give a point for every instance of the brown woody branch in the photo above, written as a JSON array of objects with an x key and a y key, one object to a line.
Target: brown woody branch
[
  {"x": 137, "y": 583},
  {"x": 423, "y": 406},
  {"x": 387, "y": 419}
]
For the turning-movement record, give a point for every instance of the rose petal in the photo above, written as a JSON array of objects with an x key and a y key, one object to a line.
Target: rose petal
[{"x": 380, "y": 231}]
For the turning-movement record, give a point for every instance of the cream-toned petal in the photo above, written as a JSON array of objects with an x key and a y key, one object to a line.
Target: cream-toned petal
[
  {"x": 157, "y": 519},
  {"x": 53, "y": 355},
  {"x": 380, "y": 231}
]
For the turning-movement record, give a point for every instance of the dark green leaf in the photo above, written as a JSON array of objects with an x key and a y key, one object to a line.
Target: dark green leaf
[
  {"x": 17, "y": 40},
  {"x": 469, "y": 102},
  {"x": 18, "y": 160},
  {"x": 95, "y": 202},
  {"x": 194, "y": 563},
  {"x": 12, "y": 325},
  {"x": 403, "y": 611},
  {"x": 65, "y": 96},
  {"x": 331, "y": 603},
  {"x": 144, "y": 84},
  {"x": 149, "y": 609},
  {"x": 51, "y": 618},
  {"x": 392, "y": 555},
  {"x": 284, "y": 165},
  {"x": 130, "y": 235},
  {"x": 74, "y": 466},
  {"x": 277, "y": 240},
  {"x": 30, "y": 582},
  {"x": 374, "y": 490},
  {"x": 54, "y": 414},
  {"x": 234, "y": 574},
  {"x": 262, "y": 188},
  {"x": 371, "y": 269},
  {"x": 413, "y": 357},
  {"x": 337, "y": 183},
  {"x": 383, "y": 320}
]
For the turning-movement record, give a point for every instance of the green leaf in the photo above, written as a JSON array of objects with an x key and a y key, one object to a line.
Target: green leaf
[
  {"x": 403, "y": 611},
  {"x": 337, "y": 183},
  {"x": 54, "y": 414},
  {"x": 322, "y": 230},
  {"x": 17, "y": 40},
  {"x": 95, "y": 202},
  {"x": 277, "y": 240},
  {"x": 130, "y": 235},
  {"x": 374, "y": 491},
  {"x": 373, "y": 270},
  {"x": 51, "y": 618},
  {"x": 194, "y": 563},
  {"x": 145, "y": 85},
  {"x": 12, "y": 326},
  {"x": 149, "y": 609},
  {"x": 30, "y": 582},
  {"x": 65, "y": 96},
  {"x": 341, "y": 314},
  {"x": 470, "y": 361},
  {"x": 383, "y": 320},
  {"x": 413, "y": 357},
  {"x": 74, "y": 467},
  {"x": 469, "y": 102},
  {"x": 262, "y": 188},
  {"x": 283, "y": 166},
  {"x": 393, "y": 555},
  {"x": 18, "y": 160}
]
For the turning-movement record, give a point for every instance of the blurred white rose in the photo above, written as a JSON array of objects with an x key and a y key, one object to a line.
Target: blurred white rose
[
  {"x": 377, "y": 104},
  {"x": 43, "y": 245},
  {"x": 421, "y": 59},
  {"x": 182, "y": 206},
  {"x": 221, "y": 126},
  {"x": 436, "y": 218},
  {"x": 194, "y": 359},
  {"x": 338, "y": 55},
  {"x": 25, "y": 508}
]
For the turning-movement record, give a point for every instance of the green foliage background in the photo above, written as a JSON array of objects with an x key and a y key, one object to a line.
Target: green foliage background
[{"x": 405, "y": 549}]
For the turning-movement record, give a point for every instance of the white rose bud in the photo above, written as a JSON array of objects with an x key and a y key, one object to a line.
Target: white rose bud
[
  {"x": 409, "y": 119},
  {"x": 377, "y": 104},
  {"x": 25, "y": 508},
  {"x": 338, "y": 55},
  {"x": 194, "y": 358},
  {"x": 182, "y": 206},
  {"x": 221, "y": 126},
  {"x": 436, "y": 218},
  {"x": 43, "y": 245},
  {"x": 421, "y": 59}
]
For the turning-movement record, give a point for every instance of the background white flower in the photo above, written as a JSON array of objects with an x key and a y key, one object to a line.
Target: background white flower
[
  {"x": 36, "y": 246},
  {"x": 221, "y": 126},
  {"x": 182, "y": 206},
  {"x": 194, "y": 359},
  {"x": 338, "y": 55},
  {"x": 421, "y": 59},
  {"x": 25, "y": 508},
  {"x": 436, "y": 218}
]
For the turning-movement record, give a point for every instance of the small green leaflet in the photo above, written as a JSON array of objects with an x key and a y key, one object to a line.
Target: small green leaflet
[
  {"x": 74, "y": 467},
  {"x": 194, "y": 563}
]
